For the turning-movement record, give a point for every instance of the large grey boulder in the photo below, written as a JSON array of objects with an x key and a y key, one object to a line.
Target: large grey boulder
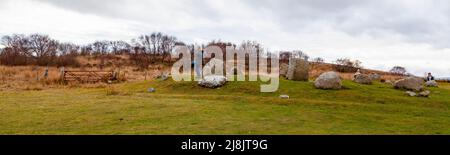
[
  {"x": 431, "y": 84},
  {"x": 362, "y": 79},
  {"x": 328, "y": 80},
  {"x": 298, "y": 70},
  {"x": 409, "y": 83},
  {"x": 213, "y": 81}
]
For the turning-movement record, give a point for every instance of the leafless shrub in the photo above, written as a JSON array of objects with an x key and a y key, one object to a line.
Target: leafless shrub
[{"x": 346, "y": 65}]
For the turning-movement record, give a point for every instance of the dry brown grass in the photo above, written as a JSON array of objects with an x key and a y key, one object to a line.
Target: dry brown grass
[
  {"x": 32, "y": 77},
  {"x": 28, "y": 77}
]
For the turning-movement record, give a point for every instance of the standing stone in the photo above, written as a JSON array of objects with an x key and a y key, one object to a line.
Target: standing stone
[
  {"x": 284, "y": 69},
  {"x": 298, "y": 70},
  {"x": 362, "y": 79},
  {"x": 409, "y": 83},
  {"x": 328, "y": 80}
]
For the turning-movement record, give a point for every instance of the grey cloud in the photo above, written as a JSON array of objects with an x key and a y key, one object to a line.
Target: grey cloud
[
  {"x": 426, "y": 23},
  {"x": 136, "y": 9},
  {"x": 356, "y": 17}
]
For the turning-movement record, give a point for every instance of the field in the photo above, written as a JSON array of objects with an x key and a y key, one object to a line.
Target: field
[{"x": 237, "y": 108}]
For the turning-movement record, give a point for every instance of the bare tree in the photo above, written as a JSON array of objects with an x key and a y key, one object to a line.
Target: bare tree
[
  {"x": 300, "y": 54},
  {"x": 252, "y": 45},
  {"x": 149, "y": 44},
  {"x": 347, "y": 65},
  {"x": 318, "y": 60},
  {"x": 68, "y": 49},
  {"x": 43, "y": 48},
  {"x": 119, "y": 47},
  {"x": 16, "y": 51},
  {"x": 67, "y": 53},
  {"x": 398, "y": 70},
  {"x": 86, "y": 50},
  {"x": 348, "y": 62},
  {"x": 100, "y": 47},
  {"x": 16, "y": 42},
  {"x": 168, "y": 43},
  {"x": 156, "y": 45}
]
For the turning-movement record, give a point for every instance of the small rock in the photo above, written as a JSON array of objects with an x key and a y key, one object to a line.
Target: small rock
[
  {"x": 284, "y": 96},
  {"x": 389, "y": 82},
  {"x": 151, "y": 90},
  {"x": 431, "y": 84},
  {"x": 424, "y": 93},
  {"x": 410, "y": 93},
  {"x": 163, "y": 76}
]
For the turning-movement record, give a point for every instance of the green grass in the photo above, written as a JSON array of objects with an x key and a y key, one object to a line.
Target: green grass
[{"x": 237, "y": 108}]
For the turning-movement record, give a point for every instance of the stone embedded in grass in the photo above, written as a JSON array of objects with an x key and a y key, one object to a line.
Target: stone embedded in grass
[
  {"x": 425, "y": 93},
  {"x": 328, "y": 80},
  {"x": 410, "y": 93},
  {"x": 151, "y": 90},
  {"x": 431, "y": 84},
  {"x": 284, "y": 96},
  {"x": 409, "y": 83},
  {"x": 213, "y": 81},
  {"x": 421, "y": 94},
  {"x": 362, "y": 79}
]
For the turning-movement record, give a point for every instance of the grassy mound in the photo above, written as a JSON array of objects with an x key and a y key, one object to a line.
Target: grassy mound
[{"x": 237, "y": 108}]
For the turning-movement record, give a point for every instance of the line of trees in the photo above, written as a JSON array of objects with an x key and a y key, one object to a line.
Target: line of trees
[
  {"x": 399, "y": 70},
  {"x": 144, "y": 50},
  {"x": 38, "y": 49}
]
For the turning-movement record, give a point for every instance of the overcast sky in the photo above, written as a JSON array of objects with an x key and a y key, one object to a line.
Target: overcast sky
[{"x": 380, "y": 33}]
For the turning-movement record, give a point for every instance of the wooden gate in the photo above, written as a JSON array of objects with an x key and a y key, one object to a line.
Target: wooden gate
[{"x": 89, "y": 76}]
